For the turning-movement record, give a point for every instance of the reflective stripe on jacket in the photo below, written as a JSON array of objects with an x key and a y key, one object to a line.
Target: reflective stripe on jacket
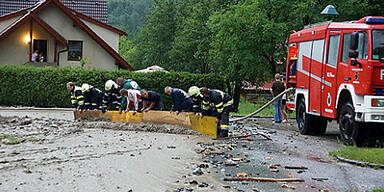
[{"x": 217, "y": 100}]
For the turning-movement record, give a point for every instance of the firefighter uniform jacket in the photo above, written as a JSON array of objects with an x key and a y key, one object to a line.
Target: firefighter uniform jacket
[
  {"x": 111, "y": 99},
  {"x": 93, "y": 99},
  {"x": 77, "y": 98},
  {"x": 217, "y": 101},
  {"x": 197, "y": 100},
  {"x": 127, "y": 84},
  {"x": 181, "y": 100}
]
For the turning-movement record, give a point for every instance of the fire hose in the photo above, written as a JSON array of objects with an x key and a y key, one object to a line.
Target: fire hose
[{"x": 263, "y": 107}]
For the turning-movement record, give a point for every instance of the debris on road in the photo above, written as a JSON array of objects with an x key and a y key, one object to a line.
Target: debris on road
[
  {"x": 295, "y": 167},
  {"x": 263, "y": 179}
]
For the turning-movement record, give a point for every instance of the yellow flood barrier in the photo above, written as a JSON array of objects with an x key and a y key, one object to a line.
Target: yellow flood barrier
[{"x": 205, "y": 125}]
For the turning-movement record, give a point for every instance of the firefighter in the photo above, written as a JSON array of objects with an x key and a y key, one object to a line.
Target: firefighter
[
  {"x": 154, "y": 100},
  {"x": 126, "y": 84},
  {"x": 181, "y": 100},
  {"x": 197, "y": 99},
  {"x": 93, "y": 97},
  {"x": 133, "y": 98},
  {"x": 112, "y": 97},
  {"x": 218, "y": 103},
  {"x": 77, "y": 98}
]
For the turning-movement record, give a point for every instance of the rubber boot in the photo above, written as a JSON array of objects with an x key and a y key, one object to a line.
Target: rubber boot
[
  {"x": 218, "y": 131},
  {"x": 224, "y": 132}
]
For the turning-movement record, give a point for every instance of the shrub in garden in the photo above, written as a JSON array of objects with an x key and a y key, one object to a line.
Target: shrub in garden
[{"x": 46, "y": 86}]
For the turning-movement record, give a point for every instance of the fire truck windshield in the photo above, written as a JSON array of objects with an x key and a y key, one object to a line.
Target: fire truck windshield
[{"x": 378, "y": 45}]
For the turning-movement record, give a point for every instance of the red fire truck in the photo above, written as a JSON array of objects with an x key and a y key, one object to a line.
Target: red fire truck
[{"x": 337, "y": 70}]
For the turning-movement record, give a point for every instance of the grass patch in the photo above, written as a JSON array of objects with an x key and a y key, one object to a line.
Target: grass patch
[
  {"x": 378, "y": 190},
  {"x": 371, "y": 155},
  {"x": 3, "y": 136},
  {"x": 10, "y": 140},
  {"x": 246, "y": 108}
]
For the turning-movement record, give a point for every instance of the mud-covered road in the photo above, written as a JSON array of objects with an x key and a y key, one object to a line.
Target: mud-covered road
[
  {"x": 45, "y": 150},
  {"x": 44, "y": 154}
]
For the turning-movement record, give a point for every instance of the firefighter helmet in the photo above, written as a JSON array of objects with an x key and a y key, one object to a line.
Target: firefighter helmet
[
  {"x": 193, "y": 91},
  {"x": 110, "y": 84},
  {"x": 85, "y": 87}
]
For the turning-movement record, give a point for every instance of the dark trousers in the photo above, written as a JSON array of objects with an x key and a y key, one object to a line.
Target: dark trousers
[{"x": 113, "y": 107}]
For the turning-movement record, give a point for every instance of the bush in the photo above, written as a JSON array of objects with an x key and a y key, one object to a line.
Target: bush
[{"x": 46, "y": 87}]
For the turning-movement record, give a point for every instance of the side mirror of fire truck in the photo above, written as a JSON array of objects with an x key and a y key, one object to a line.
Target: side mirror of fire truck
[{"x": 353, "y": 53}]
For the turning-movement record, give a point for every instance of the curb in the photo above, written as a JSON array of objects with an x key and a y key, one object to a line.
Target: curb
[{"x": 360, "y": 163}]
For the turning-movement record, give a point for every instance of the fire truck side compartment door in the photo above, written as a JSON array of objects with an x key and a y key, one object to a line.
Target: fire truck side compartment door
[{"x": 331, "y": 60}]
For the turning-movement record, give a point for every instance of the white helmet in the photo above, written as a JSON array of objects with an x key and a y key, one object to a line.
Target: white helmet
[
  {"x": 110, "y": 84},
  {"x": 193, "y": 91},
  {"x": 85, "y": 87}
]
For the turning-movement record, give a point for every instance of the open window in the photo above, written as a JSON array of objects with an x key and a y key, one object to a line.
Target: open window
[{"x": 41, "y": 47}]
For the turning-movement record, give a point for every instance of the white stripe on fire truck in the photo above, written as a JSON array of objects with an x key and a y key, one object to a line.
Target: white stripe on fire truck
[{"x": 316, "y": 77}]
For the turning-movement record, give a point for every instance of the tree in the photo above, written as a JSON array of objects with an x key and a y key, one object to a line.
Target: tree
[
  {"x": 192, "y": 38},
  {"x": 244, "y": 44},
  {"x": 153, "y": 43},
  {"x": 128, "y": 15}
]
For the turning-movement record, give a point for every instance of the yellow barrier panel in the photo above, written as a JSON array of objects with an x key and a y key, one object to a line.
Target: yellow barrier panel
[
  {"x": 167, "y": 117},
  {"x": 205, "y": 125},
  {"x": 94, "y": 114},
  {"x": 115, "y": 116}
]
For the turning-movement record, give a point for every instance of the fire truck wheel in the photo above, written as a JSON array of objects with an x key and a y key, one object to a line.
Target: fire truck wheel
[
  {"x": 351, "y": 132},
  {"x": 303, "y": 118}
]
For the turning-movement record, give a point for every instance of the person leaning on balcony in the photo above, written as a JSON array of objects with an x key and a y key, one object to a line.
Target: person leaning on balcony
[
  {"x": 77, "y": 97},
  {"x": 35, "y": 56}
]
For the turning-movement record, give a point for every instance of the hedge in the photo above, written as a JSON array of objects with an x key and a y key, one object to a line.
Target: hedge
[{"x": 46, "y": 86}]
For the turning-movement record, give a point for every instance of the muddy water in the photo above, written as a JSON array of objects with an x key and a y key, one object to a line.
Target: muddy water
[{"x": 65, "y": 155}]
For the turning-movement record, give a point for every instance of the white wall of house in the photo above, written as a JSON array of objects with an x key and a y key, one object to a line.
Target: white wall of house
[
  {"x": 4, "y": 24},
  {"x": 96, "y": 56},
  {"x": 14, "y": 49},
  {"x": 108, "y": 36}
]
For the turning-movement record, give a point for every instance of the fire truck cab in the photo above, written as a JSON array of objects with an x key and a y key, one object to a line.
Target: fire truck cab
[{"x": 337, "y": 70}]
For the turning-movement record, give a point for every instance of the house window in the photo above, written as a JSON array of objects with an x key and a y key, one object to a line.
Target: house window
[{"x": 75, "y": 50}]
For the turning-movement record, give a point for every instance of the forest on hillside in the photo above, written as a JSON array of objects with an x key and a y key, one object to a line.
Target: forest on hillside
[
  {"x": 238, "y": 39},
  {"x": 128, "y": 15}
]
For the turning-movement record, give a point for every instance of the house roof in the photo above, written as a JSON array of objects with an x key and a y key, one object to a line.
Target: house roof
[
  {"x": 96, "y": 9},
  {"x": 31, "y": 13}
]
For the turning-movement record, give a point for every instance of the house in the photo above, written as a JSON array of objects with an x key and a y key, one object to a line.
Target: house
[{"x": 64, "y": 36}]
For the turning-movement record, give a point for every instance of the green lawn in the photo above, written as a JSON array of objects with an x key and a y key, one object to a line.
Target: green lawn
[
  {"x": 372, "y": 155},
  {"x": 246, "y": 108}
]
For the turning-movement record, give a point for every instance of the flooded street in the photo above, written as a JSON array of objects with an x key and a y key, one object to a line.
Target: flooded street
[
  {"x": 45, "y": 150},
  {"x": 65, "y": 155}
]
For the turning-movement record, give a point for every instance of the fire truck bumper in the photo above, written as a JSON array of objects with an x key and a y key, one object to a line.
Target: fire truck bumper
[{"x": 371, "y": 111}]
